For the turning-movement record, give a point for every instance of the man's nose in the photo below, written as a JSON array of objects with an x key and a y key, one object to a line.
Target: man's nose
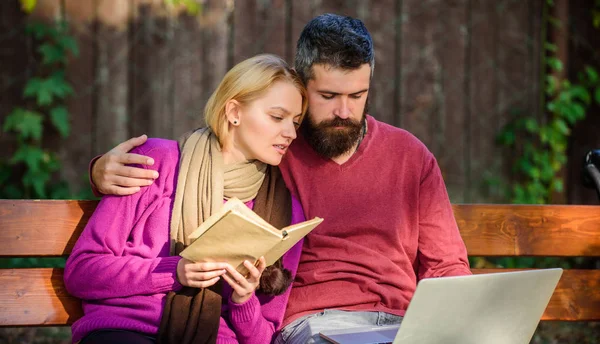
[{"x": 342, "y": 110}]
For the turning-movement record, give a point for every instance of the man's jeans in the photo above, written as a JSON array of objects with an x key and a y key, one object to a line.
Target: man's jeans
[{"x": 307, "y": 328}]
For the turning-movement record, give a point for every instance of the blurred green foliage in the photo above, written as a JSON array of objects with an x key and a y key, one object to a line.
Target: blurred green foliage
[
  {"x": 541, "y": 144},
  {"x": 31, "y": 171}
]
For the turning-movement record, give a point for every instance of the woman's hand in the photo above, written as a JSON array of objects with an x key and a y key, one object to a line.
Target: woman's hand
[
  {"x": 243, "y": 287},
  {"x": 199, "y": 275}
]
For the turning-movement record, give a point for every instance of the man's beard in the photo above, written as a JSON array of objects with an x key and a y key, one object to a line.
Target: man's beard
[{"x": 331, "y": 142}]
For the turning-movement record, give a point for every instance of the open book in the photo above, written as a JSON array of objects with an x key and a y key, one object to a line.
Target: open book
[{"x": 236, "y": 233}]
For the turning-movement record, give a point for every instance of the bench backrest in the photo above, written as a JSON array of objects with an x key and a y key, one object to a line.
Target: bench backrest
[{"x": 33, "y": 228}]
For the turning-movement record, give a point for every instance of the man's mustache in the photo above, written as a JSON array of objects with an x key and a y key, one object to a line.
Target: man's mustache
[{"x": 339, "y": 122}]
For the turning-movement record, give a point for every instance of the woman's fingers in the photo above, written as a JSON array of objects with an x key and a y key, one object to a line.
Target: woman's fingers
[
  {"x": 204, "y": 276},
  {"x": 204, "y": 284},
  {"x": 236, "y": 276},
  {"x": 199, "y": 275},
  {"x": 237, "y": 288}
]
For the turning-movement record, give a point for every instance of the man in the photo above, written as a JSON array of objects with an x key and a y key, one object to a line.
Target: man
[{"x": 388, "y": 221}]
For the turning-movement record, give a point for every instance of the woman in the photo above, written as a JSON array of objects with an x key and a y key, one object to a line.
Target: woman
[{"x": 125, "y": 266}]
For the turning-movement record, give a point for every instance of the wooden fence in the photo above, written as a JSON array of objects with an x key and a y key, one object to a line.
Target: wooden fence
[{"x": 450, "y": 71}]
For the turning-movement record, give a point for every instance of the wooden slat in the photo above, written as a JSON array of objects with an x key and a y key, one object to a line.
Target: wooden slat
[
  {"x": 41, "y": 228},
  {"x": 259, "y": 27},
  {"x": 576, "y": 297},
  {"x": 381, "y": 23},
  {"x": 150, "y": 70},
  {"x": 485, "y": 121},
  {"x": 38, "y": 297},
  {"x": 112, "y": 56},
  {"x": 529, "y": 230},
  {"x": 420, "y": 72},
  {"x": 31, "y": 227},
  {"x": 452, "y": 119},
  {"x": 77, "y": 149}
]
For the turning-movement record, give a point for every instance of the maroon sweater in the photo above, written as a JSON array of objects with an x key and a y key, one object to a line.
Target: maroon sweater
[{"x": 388, "y": 223}]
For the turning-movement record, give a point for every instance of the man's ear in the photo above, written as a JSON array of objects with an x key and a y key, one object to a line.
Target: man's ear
[{"x": 233, "y": 110}]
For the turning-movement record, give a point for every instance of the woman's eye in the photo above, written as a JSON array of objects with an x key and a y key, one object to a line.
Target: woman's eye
[
  {"x": 277, "y": 118},
  {"x": 296, "y": 124}
]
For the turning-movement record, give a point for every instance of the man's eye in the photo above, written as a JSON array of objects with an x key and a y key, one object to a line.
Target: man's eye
[
  {"x": 327, "y": 96},
  {"x": 356, "y": 96}
]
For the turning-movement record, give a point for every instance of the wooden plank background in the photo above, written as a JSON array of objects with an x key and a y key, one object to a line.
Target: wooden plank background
[{"x": 449, "y": 71}]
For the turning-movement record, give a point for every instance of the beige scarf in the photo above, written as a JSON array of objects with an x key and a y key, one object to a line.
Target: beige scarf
[{"x": 204, "y": 181}]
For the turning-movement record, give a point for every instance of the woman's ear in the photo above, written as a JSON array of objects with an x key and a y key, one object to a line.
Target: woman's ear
[{"x": 233, "y": 112}]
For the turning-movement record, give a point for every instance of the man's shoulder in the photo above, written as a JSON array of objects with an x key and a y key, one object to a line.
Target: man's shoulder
[{"x": 397, "y": 137}]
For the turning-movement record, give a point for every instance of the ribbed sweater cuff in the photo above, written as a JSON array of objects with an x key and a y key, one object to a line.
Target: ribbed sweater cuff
[
  {"x": 92, "y": 185},
  {"x": 244, "y": 312},
  {"x": 164, "y": 276}
]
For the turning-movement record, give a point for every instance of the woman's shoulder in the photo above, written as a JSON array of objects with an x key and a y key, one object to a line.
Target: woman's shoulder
[{"x": 164, "y": 152}]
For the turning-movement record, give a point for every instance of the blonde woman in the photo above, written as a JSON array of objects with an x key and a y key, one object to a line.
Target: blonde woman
[{"x": 125, "y": 266}]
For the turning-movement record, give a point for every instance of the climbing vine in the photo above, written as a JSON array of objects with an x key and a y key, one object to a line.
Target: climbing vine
[{"x": 30, "y": 171}]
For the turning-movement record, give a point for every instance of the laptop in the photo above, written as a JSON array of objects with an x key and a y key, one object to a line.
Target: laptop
[{"x": 495, "y": 308}]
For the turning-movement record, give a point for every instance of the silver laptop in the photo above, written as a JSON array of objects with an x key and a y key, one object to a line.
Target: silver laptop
[{"x": 496, "y": 308}]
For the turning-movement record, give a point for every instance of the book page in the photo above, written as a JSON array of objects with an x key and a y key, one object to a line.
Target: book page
[
  {"x": 233, "y": 204},
  {"x": 231, "y": 239},
  {"x": 291, "y": 235},
  {"x": 252, "y": 216}
]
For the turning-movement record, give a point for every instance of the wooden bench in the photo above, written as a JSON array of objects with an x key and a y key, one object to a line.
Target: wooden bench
[{"x": 37, "y": 297}]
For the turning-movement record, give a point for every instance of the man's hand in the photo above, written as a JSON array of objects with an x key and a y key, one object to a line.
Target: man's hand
[
  {"x": 112, "y": 177},
  {"x": 199, "y": 275},
  {"x": 243, "y": 287}
]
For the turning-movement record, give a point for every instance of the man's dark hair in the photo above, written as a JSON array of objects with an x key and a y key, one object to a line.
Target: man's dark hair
[{"x": 336, "y": 41}]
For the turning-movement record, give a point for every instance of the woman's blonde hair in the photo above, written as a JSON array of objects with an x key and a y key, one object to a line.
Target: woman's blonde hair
[{"x": 246, "y": 82}]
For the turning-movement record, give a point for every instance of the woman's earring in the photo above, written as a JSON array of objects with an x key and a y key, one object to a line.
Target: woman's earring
[{"x": 235, "y": 122}]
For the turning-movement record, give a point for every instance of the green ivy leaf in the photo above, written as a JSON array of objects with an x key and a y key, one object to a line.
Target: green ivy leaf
[
  {"x": 27, "y": 123},
  {"x": 543, "y": 133},
  {"x": 580, "y": 92},
  {"x": 37, "y": 180},
  {"x": 37, "y": 29},
  {"x": 39, "y": 89},
  {"x": 597, "y": 95},
  {"x": 551, "y": 85},
  {"x": 561, "y": 126},
  {"x": 555, "y": 64},
  {"x": 592, "y": 74},
  {"x": 59, "y": 85},
  {"x": 32, "y": 156},
  {"x": 550, "y": 47},
  {"x": 51, "y": 163},
  {"x": 44, "y": 90},
  {"x": 59, "y": 117},
  {"x": 578, "y": 111},
  {"x": 52, "y": 54},
  {"x": 534, "y": 173},
  {"x": 68, "y": 43},
  {"x": 506, "y": 137},
  {"x": 531, "y": 125},
  {"x": 557, "y": 185}
]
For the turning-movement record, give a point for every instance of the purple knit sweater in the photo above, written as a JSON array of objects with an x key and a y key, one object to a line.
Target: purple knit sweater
[{"x": 121, "y": 269}]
